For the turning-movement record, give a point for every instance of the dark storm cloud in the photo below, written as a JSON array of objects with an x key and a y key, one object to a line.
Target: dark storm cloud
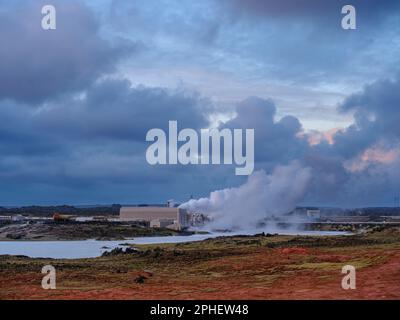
[
  {"x": 36, "y": 65},
  {"x": 92, "y": 141},
  {"x": 96, "y": 142},
  {"x": 282, "y": 141},
  {"x": 112, "y": 109},
  {"x": 334, "y": 182},
  {"x": 376, "y": 118},
  {"x": 303, "y": 41},
  {"x": 299, "y": 42},
  {"x": 184, "y": 21},
  {"x": 70, "y": 133},
  {"x": 314, "y": 9},
  {"x": 275, "y": 141},
  {"x": 377, "y": 185},
  {"x": 377, "y": 108}
]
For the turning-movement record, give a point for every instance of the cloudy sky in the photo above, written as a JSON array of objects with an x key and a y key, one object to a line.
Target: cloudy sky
[{"x": 76, "y": 102}]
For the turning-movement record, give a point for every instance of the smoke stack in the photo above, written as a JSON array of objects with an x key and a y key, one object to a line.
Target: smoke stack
[{"x": 171, "y": 203}]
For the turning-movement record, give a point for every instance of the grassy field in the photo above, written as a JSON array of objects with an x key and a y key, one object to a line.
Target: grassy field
[{"x": 240, "y": 267}]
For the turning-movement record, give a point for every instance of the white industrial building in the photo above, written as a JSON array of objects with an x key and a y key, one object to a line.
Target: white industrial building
[
  {"x": 156, "y": 217},
  {"x": 15, "y": 218}
]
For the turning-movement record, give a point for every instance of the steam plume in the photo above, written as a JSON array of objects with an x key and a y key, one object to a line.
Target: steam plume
[{"x": 260, "y": 198}]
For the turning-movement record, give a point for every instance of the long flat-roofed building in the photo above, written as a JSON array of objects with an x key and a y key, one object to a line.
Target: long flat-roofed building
[{"x": 156, "y": 216}]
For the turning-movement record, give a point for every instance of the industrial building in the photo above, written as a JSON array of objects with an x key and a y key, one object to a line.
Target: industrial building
[
  {"x": 14, "y": 218},
  {"x": 314, "y": 213},
  {"x": 157, "y": 217}
]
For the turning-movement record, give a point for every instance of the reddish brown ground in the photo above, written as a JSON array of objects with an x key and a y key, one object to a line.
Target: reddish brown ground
[{"x": 251, "y": 273}]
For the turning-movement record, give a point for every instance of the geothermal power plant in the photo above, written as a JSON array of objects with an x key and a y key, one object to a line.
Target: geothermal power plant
[{"x": 170, "y": 216}]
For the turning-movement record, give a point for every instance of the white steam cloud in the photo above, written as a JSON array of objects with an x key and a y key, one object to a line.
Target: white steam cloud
[{"x": 262, "y": 197}]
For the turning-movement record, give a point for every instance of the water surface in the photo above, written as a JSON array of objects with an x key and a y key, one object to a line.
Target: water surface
[{"x": 94, "y": 248}]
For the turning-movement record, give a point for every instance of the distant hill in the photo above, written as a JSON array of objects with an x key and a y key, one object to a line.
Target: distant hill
[{"x": 48, "y": 211}]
